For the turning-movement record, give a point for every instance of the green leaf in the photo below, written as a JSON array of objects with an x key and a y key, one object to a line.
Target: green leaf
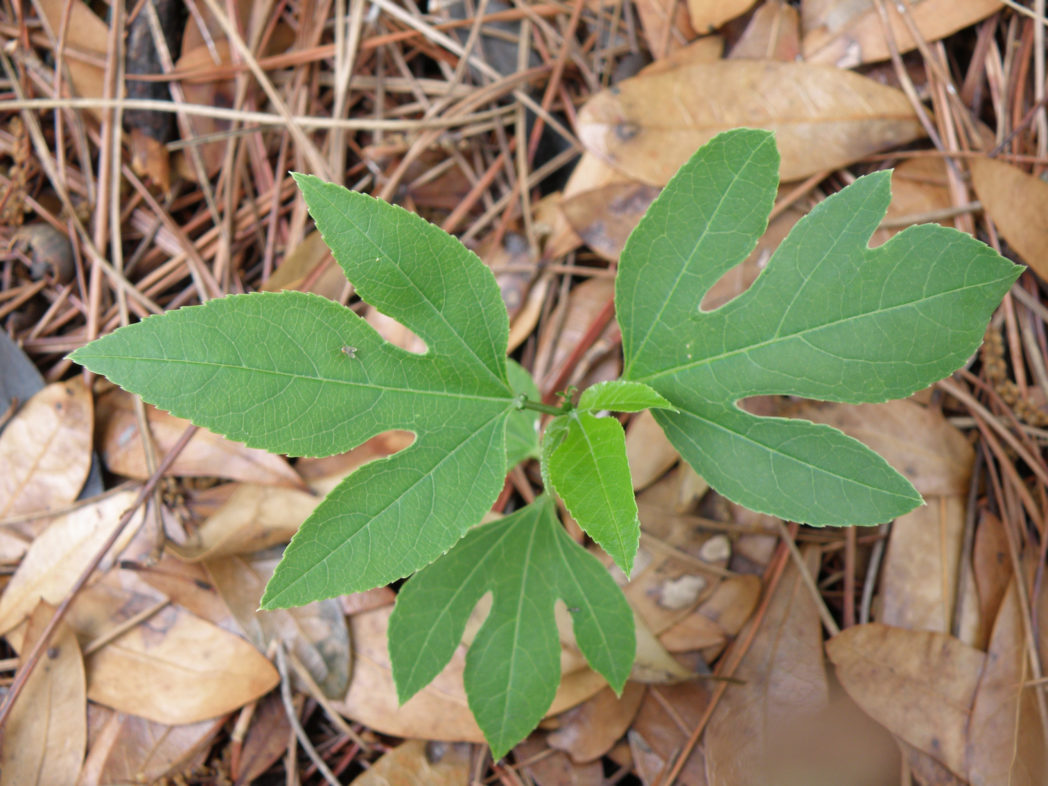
[
  {"x": 527, "y": 561},
  {"x": 272, "y": 370},
  {"x": 552, "y": 437},
  {"x": 587, "y": 467},
  {"x": 829, "y": 318},
  {"x": 620, "y": 395},
  {"x": 522, "y": 428}
]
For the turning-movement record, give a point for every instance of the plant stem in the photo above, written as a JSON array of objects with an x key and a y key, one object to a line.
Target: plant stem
[{"x": 549, "y": 409}]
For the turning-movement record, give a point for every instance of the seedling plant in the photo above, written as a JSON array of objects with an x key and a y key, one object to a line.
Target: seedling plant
[{"x": 829, "y": 318}]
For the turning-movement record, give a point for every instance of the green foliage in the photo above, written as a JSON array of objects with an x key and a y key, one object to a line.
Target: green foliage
[
  {"x": 527, "y": 561},
  {"x": 269, "y": 370},
  {"x": 585, "y": 463},
  {"x": 522, "y": 427},
  {"x": 619, "y": 395},
  {"x": 294, "y": 373},
  {"x": 829, "y": 318}
]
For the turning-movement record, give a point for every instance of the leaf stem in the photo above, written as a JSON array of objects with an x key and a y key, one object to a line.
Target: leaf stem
[{"x": 538, "y": 406}]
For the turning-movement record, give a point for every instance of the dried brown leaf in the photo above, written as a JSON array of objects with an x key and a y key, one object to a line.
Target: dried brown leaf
[
  {"x": 57, "y": 557},
  {"x": 823, "y": 117},
  {"x": 691, "y": 488},
  {"x": 367, "y": 600},
  {"x": 253, "y": 518},
  {"x": 925, "y": 770},
  {"x": 527, "y": 316},
  {"x": 588, "y": 731},
  {"x": 838, "y": 745},
  {"x": 128, "y": 749},
  {"x": 49, "y": 251},
  {"x": 847, "y": 33},
  {"x": 188, "y": 585},
  {"x": 86, "y": 39},
  {"x": 418, "y": 761},
  {"x": 323, "y": 474},
  {"x": 316, "y": 633},
  {"x": 46, "y": 450},
  {"x": 708, "y": 49},
  {"x": 437, "y": 712},
  {"x": 393, "y": 331},
  {"x": 707, "y": 15},
  {"x": 666, "y": 25},
  {"x": 266, "y": 740},
  {"x": 1015, "y": 201},
  {"x": 784, "y": 683},
  {"x": 694, "y": 632},
  {"x": 920, "y": 186},
  {"x": 774, "y": 33},
  {"x": 46, "y": 734},
  {"x": 573, "y": 319},
  {"x": 992, "y": 569},
  {"x": 668, "y": 579},
  {"x": 206, "y": 455},
  {"x": 548, "y": 767},
  {"x": 1006, "y": 739},
  {"x": 720, "y": 617},
  {"x": 649, "y": 452},
  {"x": 309, "y": 262},
  {"x": 604, "y": 217},
  {"x": 918, "y": 684},
  {"x": 173, "y": 668},
  {"x": 1039, "y": 613},
  {"x": 922, "y": 570},
  {"x": 653, "y": 663},
  {"x": 666, "y": 718}
]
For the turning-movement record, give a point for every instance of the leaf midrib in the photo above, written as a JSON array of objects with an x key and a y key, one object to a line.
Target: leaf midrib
[
  {"x": 465, "y": 587},
  {"x": 519, "y": 619},
  {"x": 696, "y": 248},
  {"x": 582, "y": 596},
  {"x": 509, "y": 399},
  {"x": 604, "y": 487},
  {"x": 451, "y": 455},
  {"x": 800, "y": 334},
  {"x": 776, "y": 452}
]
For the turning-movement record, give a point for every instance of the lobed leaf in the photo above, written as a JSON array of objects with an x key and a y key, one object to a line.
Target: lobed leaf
[
  {"x": 829, "y": 318},
  {"x": 527, "y": 561},
  {"x": 295, "y": 373}
]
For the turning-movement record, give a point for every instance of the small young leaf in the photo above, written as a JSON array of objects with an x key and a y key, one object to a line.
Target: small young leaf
[
  {"x": 620, "y": 395},
  {"x": 269, "y": 369},
  {"x": 829, "y": 318},
  {"x": 587, "y": 468},
  {"x": 527, "y": 561}
]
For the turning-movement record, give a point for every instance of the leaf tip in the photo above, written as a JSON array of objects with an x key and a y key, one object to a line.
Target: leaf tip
[
  {"x": 404, "y": 692},
  {"x": 308, "y": 184},
  {"x": 268, "y": 602},
  {"x": 624, "y": 562},
  {"x": 499, "y": 750}
]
